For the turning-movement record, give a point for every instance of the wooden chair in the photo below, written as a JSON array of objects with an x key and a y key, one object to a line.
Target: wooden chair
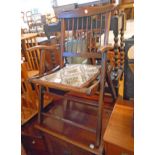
[
  {"x": 29, "y": 96},
  {"x": 86, "y": 39},
  {"x": 116, "y": 55},
  {"x": 34, "y": 62},
  {"x": 32, "y": 57},
  {"x": 27, "y": 41}
]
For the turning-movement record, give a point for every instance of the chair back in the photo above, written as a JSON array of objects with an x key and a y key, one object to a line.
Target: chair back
[
  {"x": 33, "y": 59},
  {"x": 82, "y": 29},
  {"x": 48, "y": 56}
]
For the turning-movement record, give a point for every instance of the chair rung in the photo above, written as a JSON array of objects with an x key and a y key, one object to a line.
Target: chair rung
[
  {"x": 67, "y": 139},
  {"x": 69, "y": 122},
  {"x": 81, "y": 100}
]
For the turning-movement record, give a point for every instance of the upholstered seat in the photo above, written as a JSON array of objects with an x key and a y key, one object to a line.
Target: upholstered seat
[{"x": 76, "y": 75}]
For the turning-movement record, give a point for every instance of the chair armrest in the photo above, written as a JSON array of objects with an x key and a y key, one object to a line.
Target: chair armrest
[
  {"x": 43, "y": 47},
  {"x": 106, "y": 48},
  {"x": 46, "y": 73}
]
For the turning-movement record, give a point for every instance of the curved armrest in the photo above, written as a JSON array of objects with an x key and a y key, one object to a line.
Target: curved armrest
[
  {"x": 46, "y": 73},
  {"x": 106, "y": 48},
  {"x": 43, "y": 47}
]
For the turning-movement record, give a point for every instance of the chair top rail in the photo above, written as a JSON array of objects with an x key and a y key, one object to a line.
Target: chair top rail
[{"x": 89, "y": 11}]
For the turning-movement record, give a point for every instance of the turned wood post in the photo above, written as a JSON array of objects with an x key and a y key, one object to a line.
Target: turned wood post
[
  {"x": 122, "y": 45},
  {"x": 116, "y": 50}
]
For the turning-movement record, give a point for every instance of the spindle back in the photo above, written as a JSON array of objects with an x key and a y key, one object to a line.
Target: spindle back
[{"x": 81, "y": 31}]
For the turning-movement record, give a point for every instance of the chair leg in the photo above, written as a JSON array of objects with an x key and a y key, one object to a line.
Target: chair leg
[
  {"x": 101, "y": 148},
  {"x": 101, "y": 97},
  {"x": 66, "y": 104}
]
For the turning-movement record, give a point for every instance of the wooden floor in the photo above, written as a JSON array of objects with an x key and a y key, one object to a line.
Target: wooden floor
[
  {"x": 78, "y": 113},
  {"x": 86, "y": 114}
]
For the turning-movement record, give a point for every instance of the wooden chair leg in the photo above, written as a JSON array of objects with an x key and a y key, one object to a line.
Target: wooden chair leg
[
  {"x": 99, "y": 120},
  {"x": 101, "y": 149},
  {"x": 66, "y": 103},
  {"x": 100, "y": 107}
]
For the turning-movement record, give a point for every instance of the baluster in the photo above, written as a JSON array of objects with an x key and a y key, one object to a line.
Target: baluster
[
  {"x": 122, "y": 49},
  {"x": 122, "y": 42}
]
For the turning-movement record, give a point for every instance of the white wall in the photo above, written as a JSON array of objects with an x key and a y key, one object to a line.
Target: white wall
[
  {"x": 63, "y": 2},
  {"x": 44, "y": 6}
]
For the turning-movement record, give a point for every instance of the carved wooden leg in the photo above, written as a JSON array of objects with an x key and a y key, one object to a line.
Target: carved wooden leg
[
  {"x": 116, "y": 59},
  {"x": 67, "y": 104},
  {"x": 122, "y": 49},
  {"x": 122, "y": 53}
]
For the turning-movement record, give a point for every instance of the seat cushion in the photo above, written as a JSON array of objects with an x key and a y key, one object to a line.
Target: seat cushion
[{"x": 76, "y": 75}]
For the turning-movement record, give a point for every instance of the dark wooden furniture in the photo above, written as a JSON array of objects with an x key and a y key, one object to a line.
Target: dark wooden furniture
[
  {"x": 119, "y": 50},
  {"x": 116, "y": 57},
  {"x": 128, "y": 73},
  {"x": 118, "y": 137},
  {"x": 92, "y": 53}
]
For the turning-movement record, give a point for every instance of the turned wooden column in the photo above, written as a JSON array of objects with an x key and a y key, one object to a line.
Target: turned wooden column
[
  {"x": 116, "y": 52},
  {"x": 122, "y": 45}
]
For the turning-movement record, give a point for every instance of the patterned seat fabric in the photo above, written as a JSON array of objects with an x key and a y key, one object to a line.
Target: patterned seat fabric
[{"x": 76, "y": 75}]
